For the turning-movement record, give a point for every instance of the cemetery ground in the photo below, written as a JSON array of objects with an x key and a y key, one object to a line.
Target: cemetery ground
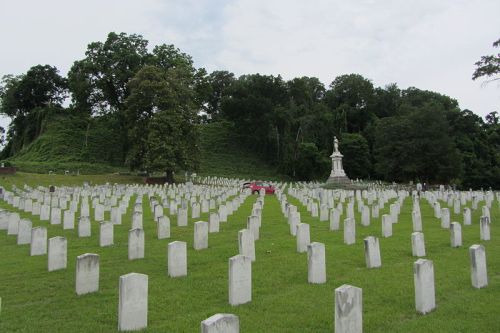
[{"x": 35, "y": 300}]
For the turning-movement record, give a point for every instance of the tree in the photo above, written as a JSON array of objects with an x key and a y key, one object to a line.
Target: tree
[
  {"x": 488, "y": 66},
  {"x": 219, "y": 83},
  {"x": 356, "y": 153},
  {"x": 161, "y": 116},
  {"x": 417, "y": 146}
]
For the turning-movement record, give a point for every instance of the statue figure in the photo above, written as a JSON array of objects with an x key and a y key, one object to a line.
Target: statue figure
[{"x": 335, "y": 144}]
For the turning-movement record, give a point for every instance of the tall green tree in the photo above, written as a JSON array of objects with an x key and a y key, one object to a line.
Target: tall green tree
[{"x": 161, "y": 116}]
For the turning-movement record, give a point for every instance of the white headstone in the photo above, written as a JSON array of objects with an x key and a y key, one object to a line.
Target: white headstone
[
  {"x": 246, "y": 243},
  {"x": 200, "y": 235},
  {"x": 334, "y": 219},
  {"x": 316, "y": 263},
  {"x": 87, "y": 273},
  {"x": 177, "y": 259},
  {"x": 365, "y": 216},
  {"x": 348, "y": 309},
  {"x": 221, "y": 323},
  {"x": 182, "y": 217},
  {"x": 84, "y": 229},
  {"x": 484, "y": 228},
  {"x": 416, "y": 220},
  {"x": 467, "y": 216},
  {"x": 445, "y": 218},
  {"x": 417, "y": 244},
  {"x": 116, "y": 215},
  {"x": 294, "y": 220},
  {"x": 57, "y": 256},
  {"x": 303, "y": 237},
  {"x": 386, "y": 225},
  {"x": 133, "y": 302},
  {"x": 38, "y": 241},
  {"x": 13, "y": 226},
  {"x": 99, "y": 212},
  {"x": 240, "y": 280},
  {"x": 349, "y": 231},
  {"x": 253, "y": 226},
  {"x": 372, "y": 252},
  {"x": 137, "y": 220},
  {"x": 163, "y": 227},
  {"x": 479, "y": 275},
  {"x": 106, "y": 234},
  {"x": 24, "y": 232},
  {"x": 68, "y": 219},
  {"x": 423, "y": 276},
  {"x": 55, "y": 215},
  {"x": 213, "y": 222},
  {"x": 135, "y": 244},
  {"x": 455, "y": 234}
]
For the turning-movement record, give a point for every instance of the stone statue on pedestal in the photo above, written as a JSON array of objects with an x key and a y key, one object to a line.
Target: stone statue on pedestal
[{"x": 337, "y": 175}]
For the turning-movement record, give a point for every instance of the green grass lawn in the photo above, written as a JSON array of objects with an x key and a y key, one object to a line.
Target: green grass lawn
[{"x": 34, "y": 300}]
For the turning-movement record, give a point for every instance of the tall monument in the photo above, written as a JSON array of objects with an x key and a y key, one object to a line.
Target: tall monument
[{"x": 338, "y": 174}]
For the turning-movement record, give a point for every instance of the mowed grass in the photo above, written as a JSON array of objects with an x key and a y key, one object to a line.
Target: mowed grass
[{"x": 34, "y": 300}]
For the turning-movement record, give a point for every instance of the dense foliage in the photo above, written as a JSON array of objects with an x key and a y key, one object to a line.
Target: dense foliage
[{"x": 139, "y": 108}]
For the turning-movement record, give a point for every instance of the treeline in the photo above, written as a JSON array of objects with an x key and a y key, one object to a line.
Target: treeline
[{"x": 154, "y": 100}]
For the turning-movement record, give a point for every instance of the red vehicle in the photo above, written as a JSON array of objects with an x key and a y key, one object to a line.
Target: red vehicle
[{"x": 256, "y": 186}]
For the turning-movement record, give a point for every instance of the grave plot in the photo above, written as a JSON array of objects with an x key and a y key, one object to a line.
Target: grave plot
[{"x": 214, "y": 258}]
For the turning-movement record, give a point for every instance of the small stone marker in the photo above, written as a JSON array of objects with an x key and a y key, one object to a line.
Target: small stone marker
[
  {"x": 44, "y": 213},
  {"x": 200, "y": 235},
  {"x": 386, "y": 226},
  {"x": 349, "y": 231},
  {"x": 133, "y": 302},
  {"x": 416, "y": 219},
  {"x": 57, "y": 258},
  {"x": 177, "y": 259},
  {"x": 246, "y": 243},
  {"x": 303, "y": 237},
  {"x": 417, "y": 244},
  {"x": 84, "y": 229},
  {"x": 467, "y": 216},
  {"x": 365, "y": 216},
  {"x": 484, "y": 228},
  {"x": 116, "y": 215},
  {"x": 334, "y": 219},
  {"x": 221, "y": 323},
  {"x": 348, "y": 309},
  {"x": 13, "y": 226},
  {"x": 55, "y": 215},
  {"x": 68, "y": 219},
  {"x": 253, "y": 226},
  {"x": 222, "y": 213},
  {"x": 163, "y": 227},
  {"x": 372, "y": 252},
  {"x": 87, "y": 273},
  {"x": 135, "y": 244},
  {"x": 316, "y": 263},
  {"x": 137, "y": 220},
  {"x": 182, "y": 217},
  {"x": 38, "y": 241},
  {"x": 323, "y": 213},
  {"x": 455, "y": 234},
  {"x": 294, "y": 220},
  {"x": 106, "y": 234},
  {"x": 24, "y": 232},
  {"x": 240, "y": 280},
  {"x": 99, "y": 212},
  {"x": 478, "y": 272},
  {"x": 213, "y": 222},
  {"x": 445, "y": 218},
  {"x": 423, "y": 276}
]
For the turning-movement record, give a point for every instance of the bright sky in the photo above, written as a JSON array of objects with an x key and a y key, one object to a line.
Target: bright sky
[{"x": 427, "y": 44}]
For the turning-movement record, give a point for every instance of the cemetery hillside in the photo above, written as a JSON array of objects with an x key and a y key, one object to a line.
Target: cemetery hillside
[
  {"x": 130, "y": 106},
  {"x": 139, "y": 192}
]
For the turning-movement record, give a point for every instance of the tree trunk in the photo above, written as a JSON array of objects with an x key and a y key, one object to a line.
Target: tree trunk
[{"x": 169, "y": 175}]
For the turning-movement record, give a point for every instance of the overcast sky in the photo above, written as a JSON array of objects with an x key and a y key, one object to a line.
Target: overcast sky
[{"x": 427, "y": 44}]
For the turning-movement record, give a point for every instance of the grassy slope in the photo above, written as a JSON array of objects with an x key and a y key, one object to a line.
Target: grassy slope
[
  {"x": 222, "y": 156},
  {"x": 283, "y": 301}
]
